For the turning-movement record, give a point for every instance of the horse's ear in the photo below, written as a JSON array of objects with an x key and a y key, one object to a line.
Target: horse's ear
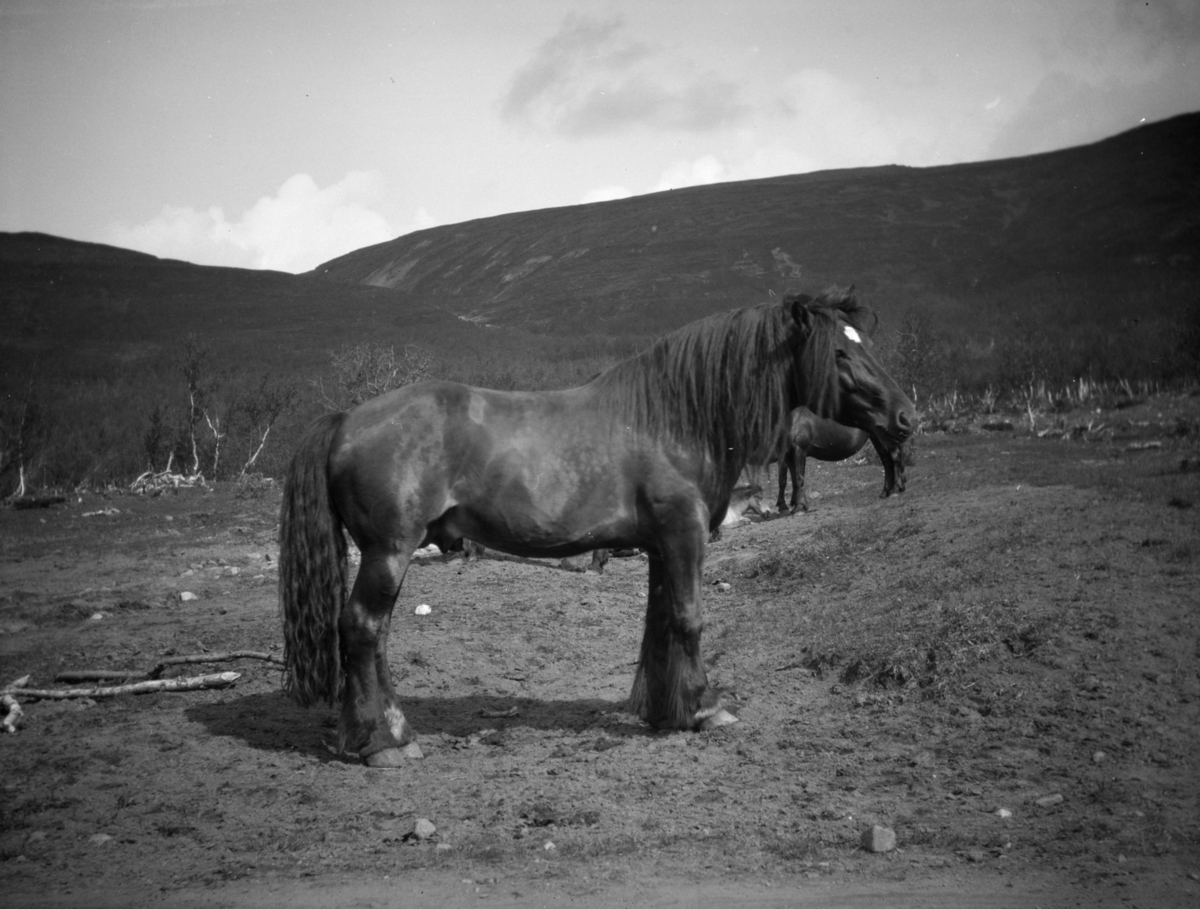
[
  {"x": 874, "y": 322},
  {"x": 802, "y": 314}
]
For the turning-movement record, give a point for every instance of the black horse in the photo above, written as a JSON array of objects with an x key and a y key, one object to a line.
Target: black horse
[
  {"x": 810, "y": 436},
  {"x": 645, "y": 455}
]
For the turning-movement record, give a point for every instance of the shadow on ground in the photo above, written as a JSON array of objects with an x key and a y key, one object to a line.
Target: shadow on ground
[{"x": 271, "y": 722}]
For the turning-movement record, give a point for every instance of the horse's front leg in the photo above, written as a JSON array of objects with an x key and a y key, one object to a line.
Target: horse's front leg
[
  {"x": 800, "y": 482},
  {"x": 786, "y": 462},
  {"x": 670, "y": 689},
  {"x": 372, "y": 722},
  {"x": 893, "y": 467},
  {"x": 898, "y": 466}
]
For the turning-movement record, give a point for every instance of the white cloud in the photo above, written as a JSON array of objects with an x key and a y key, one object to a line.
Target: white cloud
[
  {"x": 1134, "y": 62},
  {"x": 421, "y": 220},
  {"x": 590, "y": 79},
  {"x": 816, "y": 121},
  {"x": 819, "y": 121},
  {"x": 833, "y": 123},
  {"x": 699, "y": 172},
  {"x": 295, "y": 230},
  {"x": 605, "y": 194}
]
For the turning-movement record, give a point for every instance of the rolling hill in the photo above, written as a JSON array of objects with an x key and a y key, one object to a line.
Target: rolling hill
[
  {"x": 96, "y": 308},
  {"x": 1109, "y": 212},
  {"x": 1122, "y": 211}
]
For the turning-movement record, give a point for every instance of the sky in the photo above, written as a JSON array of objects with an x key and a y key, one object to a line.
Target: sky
[{"x": 280, "y": 134}]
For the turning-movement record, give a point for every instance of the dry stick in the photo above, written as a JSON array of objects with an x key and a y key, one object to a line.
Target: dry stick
[
  {"x": 93, "y": 675},
  {"x": 13, "y": 713},
  {"x": 216, "y": 680}
]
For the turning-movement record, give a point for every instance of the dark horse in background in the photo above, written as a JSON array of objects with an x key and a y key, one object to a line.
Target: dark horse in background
[
  {"x": 645, "y": 455},
  {"x": 811, "y": 436}
]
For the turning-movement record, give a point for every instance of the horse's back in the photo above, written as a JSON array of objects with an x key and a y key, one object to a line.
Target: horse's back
[
  {"x": 427, "y": 424},
  {"x": 528, "y": 473}
]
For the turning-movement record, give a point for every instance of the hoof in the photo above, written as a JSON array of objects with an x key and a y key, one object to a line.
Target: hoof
[
  {"x": 719, "y": 717},
  {"x": 394, "y": 757}
]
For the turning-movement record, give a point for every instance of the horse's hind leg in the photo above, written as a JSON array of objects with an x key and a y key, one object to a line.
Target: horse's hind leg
[{"x": 372, "y": 722}]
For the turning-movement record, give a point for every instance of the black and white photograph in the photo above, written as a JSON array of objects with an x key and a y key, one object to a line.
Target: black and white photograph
[{"x": 600, "y": 453}]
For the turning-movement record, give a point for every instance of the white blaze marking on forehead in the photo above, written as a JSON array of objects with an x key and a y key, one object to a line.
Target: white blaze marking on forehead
[{"x": 851, "y": 334}]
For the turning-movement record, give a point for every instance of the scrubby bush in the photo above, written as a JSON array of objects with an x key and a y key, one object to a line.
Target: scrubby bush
[
  {"x": 365, "y": 370},
  {"x": 1038, "y": 348}
]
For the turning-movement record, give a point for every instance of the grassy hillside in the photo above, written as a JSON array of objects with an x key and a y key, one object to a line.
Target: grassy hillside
[
  {"x": 99, "y": 303},
  {"x": 1003, "y": 281},
  {"x": 1113, "y": 215}
]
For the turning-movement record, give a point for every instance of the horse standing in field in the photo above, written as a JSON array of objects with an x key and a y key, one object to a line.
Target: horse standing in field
[
  {"x": 811, "y": 436},
  {"x": 644, "y": 455}
]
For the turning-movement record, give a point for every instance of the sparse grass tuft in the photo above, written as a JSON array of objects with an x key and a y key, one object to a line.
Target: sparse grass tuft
[
  {"x": 927, "y": 625},
  {"x": 930, "y": 645}
]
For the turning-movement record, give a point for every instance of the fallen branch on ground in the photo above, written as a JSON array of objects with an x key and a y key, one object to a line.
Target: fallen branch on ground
[
  {"x": 136, "y": 682},
  {"x": 192, "y": 683},
  {"x": 94, "y": 675},
  {"x": 156, "y": 481},
  {"x": 13, "y": 713}
]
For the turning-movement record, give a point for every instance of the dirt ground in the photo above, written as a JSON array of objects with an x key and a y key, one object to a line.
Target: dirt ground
[{"x": 543, "y": 790}]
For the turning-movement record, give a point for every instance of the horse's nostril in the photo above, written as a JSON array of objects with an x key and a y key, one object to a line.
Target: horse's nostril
[{"x": 903, "y": 421}]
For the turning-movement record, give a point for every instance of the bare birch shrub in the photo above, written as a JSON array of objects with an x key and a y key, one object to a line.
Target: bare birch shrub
[{"x": 368, "y": 369}]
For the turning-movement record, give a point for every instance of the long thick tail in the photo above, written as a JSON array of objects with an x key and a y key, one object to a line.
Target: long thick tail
[{"x": 312, "y": 571}]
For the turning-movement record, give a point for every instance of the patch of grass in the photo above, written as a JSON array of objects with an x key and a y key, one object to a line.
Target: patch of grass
[
  {"x": 869, "y": 617},
  {"x": 929, "y": 643},
  {"x": 254, "y": 486},
  {"x": 826, "y": 549}
]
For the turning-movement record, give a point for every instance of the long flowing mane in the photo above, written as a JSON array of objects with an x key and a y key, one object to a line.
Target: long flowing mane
[{"x": 726, "y": 383}]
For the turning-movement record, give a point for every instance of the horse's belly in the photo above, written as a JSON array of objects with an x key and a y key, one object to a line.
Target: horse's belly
[
  {"x": 529, "y": 529},
  {"x": 548, "y": 511}
]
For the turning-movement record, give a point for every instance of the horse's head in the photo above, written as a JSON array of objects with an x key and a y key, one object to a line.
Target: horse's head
[{"x": 844, "y": 381}]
